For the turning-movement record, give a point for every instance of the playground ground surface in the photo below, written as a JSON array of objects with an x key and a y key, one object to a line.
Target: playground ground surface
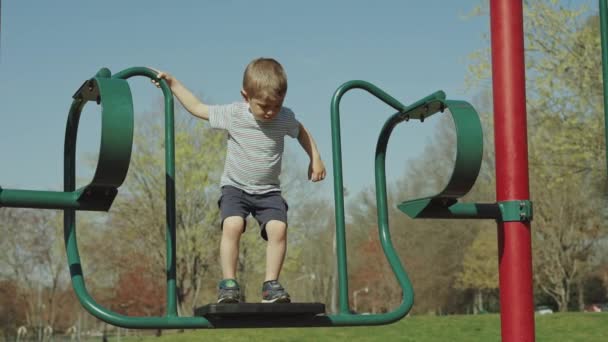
[{"x": 567, "y": 327}]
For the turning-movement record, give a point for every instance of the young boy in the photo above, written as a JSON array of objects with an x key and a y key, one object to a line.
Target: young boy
[{"x": 250, "y": 181}]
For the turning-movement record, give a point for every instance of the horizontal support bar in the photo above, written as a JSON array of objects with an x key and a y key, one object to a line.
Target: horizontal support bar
[
  {"x": 447, "y": 209},
  {"x": 466, "y": 211},
  {"x": 47, "y": 200},
  {"x": 38, "y": 199}
]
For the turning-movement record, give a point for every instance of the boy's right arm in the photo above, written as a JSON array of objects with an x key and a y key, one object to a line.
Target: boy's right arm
[{"x": 192, "y": 104}]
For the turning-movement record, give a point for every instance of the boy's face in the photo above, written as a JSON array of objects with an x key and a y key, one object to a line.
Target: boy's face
[{"x": 265, "y": 108}]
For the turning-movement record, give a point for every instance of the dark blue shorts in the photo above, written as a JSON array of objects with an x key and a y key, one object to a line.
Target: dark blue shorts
[{"x": 263, "y": 207}]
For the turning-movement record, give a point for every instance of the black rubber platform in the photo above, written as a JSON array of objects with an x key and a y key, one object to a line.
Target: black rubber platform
[
  {"x": 261, "y": 309},
  {"x": 263, "y": 315}
]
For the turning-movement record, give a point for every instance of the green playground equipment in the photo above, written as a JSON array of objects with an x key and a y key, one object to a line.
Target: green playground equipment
[{"x": 113, "y": 94}]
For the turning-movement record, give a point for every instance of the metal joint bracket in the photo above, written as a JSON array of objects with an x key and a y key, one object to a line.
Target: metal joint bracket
[{"x": 515, "y": 211}]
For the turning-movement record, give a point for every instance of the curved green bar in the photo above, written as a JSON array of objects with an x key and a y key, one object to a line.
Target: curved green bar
[
  {"x": 419, "y": 110},
  {"x": 114, "y": 154},
  {"x": 116, "y": 137},
  {"x": 469, "y": 153},
  {"x": 117, "y": 133},
  {"x": 169, "y": 182}
]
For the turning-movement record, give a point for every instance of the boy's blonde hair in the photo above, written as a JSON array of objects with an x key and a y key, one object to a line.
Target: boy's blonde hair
[{"x": 265, "y": 78}]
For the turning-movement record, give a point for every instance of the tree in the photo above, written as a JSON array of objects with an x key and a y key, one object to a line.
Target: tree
[
  {"x": 564, "y": 241},
  {"x": 139, "y": 293},
  {"x": 32, "y": 256},
  {"x": 480, "y": 267},
  {"x": 12, "y": 314},
  {"x": 310, "y": 263},
  {"x": 372, "y": 271}
]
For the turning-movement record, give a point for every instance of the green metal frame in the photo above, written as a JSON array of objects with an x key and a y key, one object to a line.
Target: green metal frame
[
  {"x": 115, "y": 172},
  {"x": 469, "y": 153},
  {"x": 461, "y": 181},
  {"x": 112, "y": 92},
  {"x": 114, "y": 154},
  {"x": 418, "y": 110}
]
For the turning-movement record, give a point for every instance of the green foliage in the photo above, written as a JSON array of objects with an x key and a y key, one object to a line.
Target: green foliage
[{"x": 480, "y": 264}]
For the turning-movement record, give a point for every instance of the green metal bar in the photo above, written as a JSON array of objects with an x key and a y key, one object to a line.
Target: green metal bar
[
  {"x": 338, "y": 178},
  {"x": 469, "y": 154},
  {"x": 474, "y": 211},
  {"x": 604, "y": 35},
  {"x": 469, "y": 148},
  {"x": 39, "y": 199},
  {"x": 383, "y": 223},
  {"x": 345, "y": 318},
  {"x": 447, "y": 208},
  {"x": 42, "y": 199},
  {"x": 102, "y": 313},
  {"x": 171, "y": 321},
  {"x": 169, "y": 182}
]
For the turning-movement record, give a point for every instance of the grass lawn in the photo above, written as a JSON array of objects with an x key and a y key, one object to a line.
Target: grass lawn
[{"x": 566, "y": 327}]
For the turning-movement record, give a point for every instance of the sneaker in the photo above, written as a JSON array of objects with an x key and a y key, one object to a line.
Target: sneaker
[
  {"x": 273, "y": 292},
  {"x": 229, "y": 291}
]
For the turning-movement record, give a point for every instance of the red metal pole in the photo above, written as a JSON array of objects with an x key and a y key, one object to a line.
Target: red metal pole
[{"x": 510, "y": 135}]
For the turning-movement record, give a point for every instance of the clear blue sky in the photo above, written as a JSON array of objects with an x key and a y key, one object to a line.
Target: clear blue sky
[{"x": 408, "y": 48}]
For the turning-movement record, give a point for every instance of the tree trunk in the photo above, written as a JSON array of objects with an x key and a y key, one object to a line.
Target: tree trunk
[
  {"x": 581, "y": 294},
  {"x": 480, "y": 301},
  {"x": 564, "y": 299}
]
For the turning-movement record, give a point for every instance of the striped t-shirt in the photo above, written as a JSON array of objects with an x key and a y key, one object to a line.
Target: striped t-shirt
[{"x": 255, "y": 148}]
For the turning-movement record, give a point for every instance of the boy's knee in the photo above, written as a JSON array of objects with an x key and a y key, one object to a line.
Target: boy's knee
[
  {"x": 233, "y": 225},
  {"x": 276, "y": 230}
]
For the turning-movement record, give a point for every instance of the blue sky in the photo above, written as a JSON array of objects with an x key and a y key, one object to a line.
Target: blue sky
[{"x": 408, "y": 48}]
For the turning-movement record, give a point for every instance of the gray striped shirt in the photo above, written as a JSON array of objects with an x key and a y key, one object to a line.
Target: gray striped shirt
[{"x": 255, "y": 148}]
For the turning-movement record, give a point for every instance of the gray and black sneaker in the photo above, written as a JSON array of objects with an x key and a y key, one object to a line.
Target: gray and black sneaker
[
  {"x": 273, "y": 292},
  {"x": 229, "y": 291}
]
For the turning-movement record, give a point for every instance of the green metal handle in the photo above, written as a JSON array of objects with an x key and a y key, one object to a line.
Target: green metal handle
[
  {"x": 114, "y": 96},
  {"x": 469, "y": 153},
  {"x": 419, "y": 110},
  {"x": 103, "y": 179}
]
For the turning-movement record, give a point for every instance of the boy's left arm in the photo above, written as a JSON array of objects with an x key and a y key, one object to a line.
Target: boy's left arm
[{"x": 316, "y": 168}]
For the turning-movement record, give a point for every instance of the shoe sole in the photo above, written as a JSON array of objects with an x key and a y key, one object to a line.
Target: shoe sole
[
  {"x": 277, "y": 300},
  {"x": 228, "y": 301}
]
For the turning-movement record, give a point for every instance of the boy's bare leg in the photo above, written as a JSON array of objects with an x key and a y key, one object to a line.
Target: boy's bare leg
[
  {"x": 275, "y": 250},
  {"x": 229, "y": 245}
]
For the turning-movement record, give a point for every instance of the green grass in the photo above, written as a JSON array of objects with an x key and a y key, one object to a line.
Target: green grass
[{"x": 567, "y": 327}]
